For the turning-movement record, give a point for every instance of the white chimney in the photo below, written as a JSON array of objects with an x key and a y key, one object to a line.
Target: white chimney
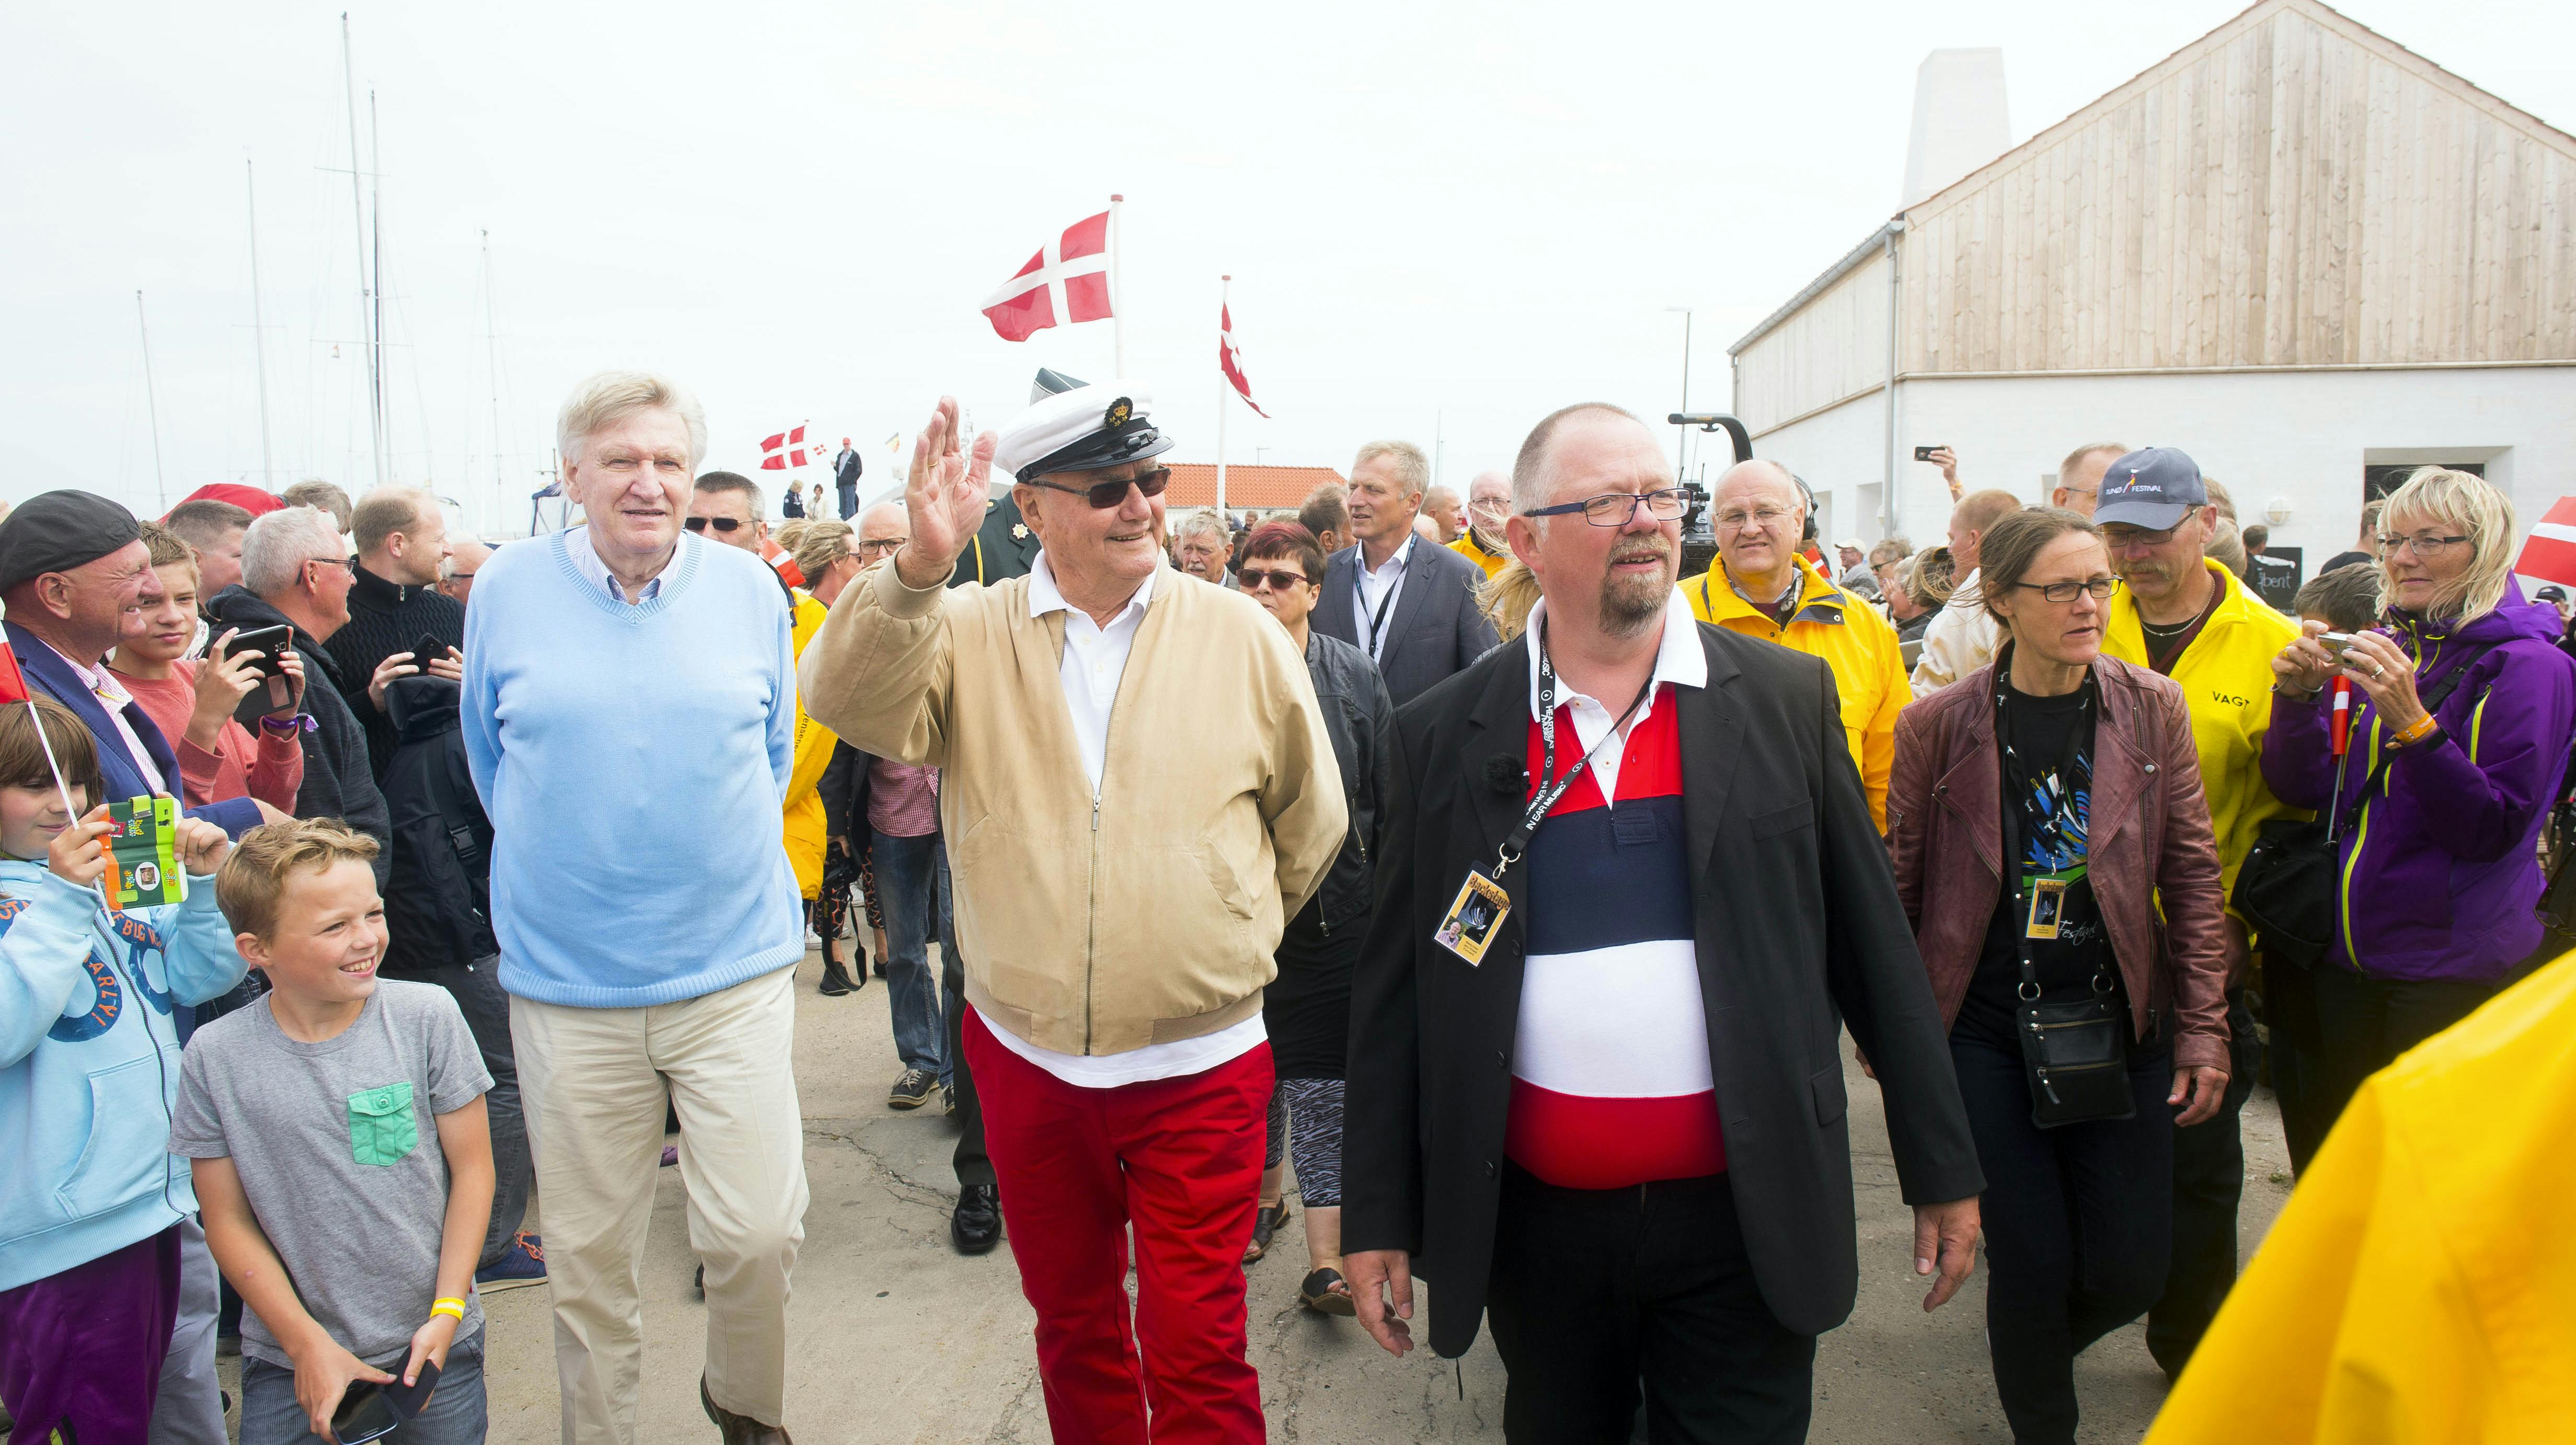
[{"x": 1959, "y": 119}]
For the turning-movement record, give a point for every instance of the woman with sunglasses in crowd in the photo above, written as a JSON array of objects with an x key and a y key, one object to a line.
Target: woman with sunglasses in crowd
[
  {"x": 1307, "y": 1008},
  {"x": 2084, "y": 1026},
  {"x": 2461, "y": 706}
]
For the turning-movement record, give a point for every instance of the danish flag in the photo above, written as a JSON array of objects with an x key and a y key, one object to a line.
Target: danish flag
[
  {"x": 1067, "y": 281},
  {"x": 787, "y": 449},
  {"x": 1229, "y": 357},
  {"x": 2549, "y": 553}
]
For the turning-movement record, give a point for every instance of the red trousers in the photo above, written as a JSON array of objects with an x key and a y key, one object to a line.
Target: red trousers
[{"x": 1180, "y": 1161}]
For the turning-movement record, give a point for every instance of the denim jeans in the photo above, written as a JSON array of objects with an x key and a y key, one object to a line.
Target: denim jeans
[
  {"x": 912, "y": 878},
  {"x": 455, "y": 1414}
]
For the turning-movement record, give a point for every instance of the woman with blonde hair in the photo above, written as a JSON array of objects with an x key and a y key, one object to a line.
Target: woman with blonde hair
[
  {"x": 2462, "y": 706},
  {"x": 1507, "y": 597}
]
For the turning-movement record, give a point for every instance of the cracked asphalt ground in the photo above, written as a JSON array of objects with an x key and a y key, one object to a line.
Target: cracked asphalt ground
[{"x": 899, "y": 1339}]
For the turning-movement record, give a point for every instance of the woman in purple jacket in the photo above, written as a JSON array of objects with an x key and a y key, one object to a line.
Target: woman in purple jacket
[{"x": 2441, "y": 805}]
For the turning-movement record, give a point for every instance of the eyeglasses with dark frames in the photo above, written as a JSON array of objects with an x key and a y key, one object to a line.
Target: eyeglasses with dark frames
[
  {"x": 875, "y": 545},
  {"x": 721, "y": 524},
  {"x": 2427, "y": 546},
  {"x": 1105, "y": 495},
  {"x": 1254, "y": 579},
  {"x": 1614, "y": 509},
  {"x": 2098, "y": 588}
]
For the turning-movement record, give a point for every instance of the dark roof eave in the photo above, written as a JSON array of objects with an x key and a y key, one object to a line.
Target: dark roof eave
[{"x": 1837, "y": 271}]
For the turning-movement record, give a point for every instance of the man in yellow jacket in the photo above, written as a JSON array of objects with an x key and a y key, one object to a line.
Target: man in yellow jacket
[
  {"x": 1758, "y": 586},
  {"x": 2189, "y": 618},
  {"x": 2416, "y": 1290},
  {"x": 1489, "y": 505}
]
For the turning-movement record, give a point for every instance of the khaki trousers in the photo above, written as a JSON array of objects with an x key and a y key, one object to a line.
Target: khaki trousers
[{"x": 593, "y": 1082}]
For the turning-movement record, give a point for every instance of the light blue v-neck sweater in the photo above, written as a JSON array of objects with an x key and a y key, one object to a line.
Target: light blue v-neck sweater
[{"x": 633, "y": 760}]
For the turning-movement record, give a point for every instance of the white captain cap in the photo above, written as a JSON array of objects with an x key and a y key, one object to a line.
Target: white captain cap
[{"x": 1079, "y": 430}]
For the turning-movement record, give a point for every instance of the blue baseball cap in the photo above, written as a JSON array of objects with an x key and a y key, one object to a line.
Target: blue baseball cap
[{"x": 2153, "y": 488}]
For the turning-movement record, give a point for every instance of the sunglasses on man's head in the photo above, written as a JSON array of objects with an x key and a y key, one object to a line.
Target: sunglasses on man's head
[
  {"x": 721, "y": 524},
  {"x": 1105, "y": 495}
]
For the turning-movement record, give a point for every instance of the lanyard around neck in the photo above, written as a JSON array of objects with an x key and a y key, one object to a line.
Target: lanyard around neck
[
  {"x": 1552, "y": 787},
  {"x": 1377, "y": 619}
]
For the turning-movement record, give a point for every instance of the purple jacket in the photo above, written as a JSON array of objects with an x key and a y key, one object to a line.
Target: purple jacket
[{"x": 2438, "y": 874}]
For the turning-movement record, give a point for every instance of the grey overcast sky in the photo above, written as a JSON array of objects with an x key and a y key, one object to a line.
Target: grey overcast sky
[{"x": 1442, "y": 219}]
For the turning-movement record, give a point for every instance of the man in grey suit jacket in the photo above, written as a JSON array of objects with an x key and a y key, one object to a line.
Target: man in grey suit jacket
[{"x": 1409, "y": 604}]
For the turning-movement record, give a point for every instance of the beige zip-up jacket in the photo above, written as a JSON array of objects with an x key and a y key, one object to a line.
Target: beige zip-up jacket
[{"x": 1147, "y": 914}]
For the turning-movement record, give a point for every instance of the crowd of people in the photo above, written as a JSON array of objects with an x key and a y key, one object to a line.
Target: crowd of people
[{"x": 1456, "y": 856}]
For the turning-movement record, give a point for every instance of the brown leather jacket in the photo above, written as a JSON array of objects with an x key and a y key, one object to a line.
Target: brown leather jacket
[{"x": 2150, "y": 841}]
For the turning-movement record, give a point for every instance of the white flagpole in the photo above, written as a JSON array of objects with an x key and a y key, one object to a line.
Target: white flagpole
[
  {"x": 1117, "y": 293},
  {"x": 1225, "y": 286},
  {"x": 64, "y": 789}
]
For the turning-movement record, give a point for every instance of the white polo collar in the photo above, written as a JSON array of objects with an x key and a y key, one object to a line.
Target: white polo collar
[
  {"x": 1046, "y": 597},
  {"x": 1678, "y": 656}
]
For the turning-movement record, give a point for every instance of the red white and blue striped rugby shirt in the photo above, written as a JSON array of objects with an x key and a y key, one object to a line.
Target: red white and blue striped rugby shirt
[{"x": 1610, "y": 1074}]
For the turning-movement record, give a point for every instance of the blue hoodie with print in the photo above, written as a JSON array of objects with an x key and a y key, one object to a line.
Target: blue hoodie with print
[{"x": 89, "y": 1064}]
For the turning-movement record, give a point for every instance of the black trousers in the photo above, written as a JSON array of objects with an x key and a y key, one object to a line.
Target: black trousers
[
  {"x": 2367, "y": 1022},
  {"x": 1595, "y": 1289},
  {"x": 972, "y": 1164},
  {"x": 2297, "y": 1055},
  {"x": 2208, "y": 1182},
  {"x": 2078, "y": 1220}
]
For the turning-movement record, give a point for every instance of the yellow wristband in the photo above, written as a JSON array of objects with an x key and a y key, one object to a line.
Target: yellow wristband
[
  {"x": 452, "y": 1308},
  {"x": 2422, "y": 728}
]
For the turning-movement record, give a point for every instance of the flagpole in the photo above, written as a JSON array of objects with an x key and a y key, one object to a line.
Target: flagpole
[
  {"x": 152, "y": 403},
  {"x": 1225, "y": 287},
  {"x": 46, "y": 745},
  {"x": 1117, "y": 294}
]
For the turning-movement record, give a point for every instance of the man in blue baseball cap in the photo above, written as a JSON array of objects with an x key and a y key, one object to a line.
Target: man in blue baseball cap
[{"x": 2183, "y": 614}]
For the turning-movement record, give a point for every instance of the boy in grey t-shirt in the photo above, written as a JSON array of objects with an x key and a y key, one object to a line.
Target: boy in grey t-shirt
[{"x": 341, "y": 1153}]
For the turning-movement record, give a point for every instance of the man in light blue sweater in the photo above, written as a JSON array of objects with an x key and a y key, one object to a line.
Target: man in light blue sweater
[{"x": 629, "y": 714}]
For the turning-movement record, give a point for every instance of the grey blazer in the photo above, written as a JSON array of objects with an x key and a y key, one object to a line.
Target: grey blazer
[{"x": 1434, "y": 629}]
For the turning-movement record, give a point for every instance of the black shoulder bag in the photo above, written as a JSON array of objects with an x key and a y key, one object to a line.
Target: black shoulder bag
[
  {"x": 2075, "y": 1054},
  {"x": 2286, "y": 886}
]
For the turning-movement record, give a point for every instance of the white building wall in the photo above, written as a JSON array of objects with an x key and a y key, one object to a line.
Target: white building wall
[{"x": 2302, "y": 437}]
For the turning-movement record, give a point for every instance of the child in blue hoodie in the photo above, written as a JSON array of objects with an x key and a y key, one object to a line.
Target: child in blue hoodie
[{"x": 90, "y": 1198}]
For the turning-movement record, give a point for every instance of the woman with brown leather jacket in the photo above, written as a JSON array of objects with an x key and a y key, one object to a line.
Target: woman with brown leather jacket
[{"x": 2035, "y": 748}]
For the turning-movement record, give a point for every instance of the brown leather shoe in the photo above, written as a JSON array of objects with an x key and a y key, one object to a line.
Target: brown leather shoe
[{"x": 740, "y": 1429}]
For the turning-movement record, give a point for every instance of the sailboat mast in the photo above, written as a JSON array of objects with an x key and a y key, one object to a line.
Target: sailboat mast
[
  {"x": 358, "y": 222},
  {"x": 152, "y": 404},
  {"x": 376, "y": 216},
  {"x": 492, "y": 364},
  {"x": 258, "y": 328}
]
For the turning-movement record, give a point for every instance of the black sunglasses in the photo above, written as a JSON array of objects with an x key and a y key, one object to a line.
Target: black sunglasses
[
  {"x": 1253, "y": 578},
  {"x": 721, "y": 524},
  {"x": 1105, "y": 495}
]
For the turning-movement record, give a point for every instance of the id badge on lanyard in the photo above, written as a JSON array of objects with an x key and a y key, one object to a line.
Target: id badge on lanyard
[{"x": 1477, "y": 911}]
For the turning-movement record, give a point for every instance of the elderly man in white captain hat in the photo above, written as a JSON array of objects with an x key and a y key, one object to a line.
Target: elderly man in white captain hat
[{"x": 1125, "y": 845}]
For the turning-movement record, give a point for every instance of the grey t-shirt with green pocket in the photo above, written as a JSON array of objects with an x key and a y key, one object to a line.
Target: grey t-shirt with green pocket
[{"x": 337, "y": 1147}]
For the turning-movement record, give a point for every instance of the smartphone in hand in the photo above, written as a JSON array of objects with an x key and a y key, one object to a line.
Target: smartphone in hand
[
  {"x": 371, "y": 1411},
  {"x": 427, "y": 648},
  {"x": 261, "y": 647}
]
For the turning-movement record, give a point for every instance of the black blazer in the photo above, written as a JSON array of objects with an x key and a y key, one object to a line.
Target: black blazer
[
  {"x": 1003, "y": 548},
  {"x": 1799, "y": 933},
  {"x": 1435, "y": 630}
]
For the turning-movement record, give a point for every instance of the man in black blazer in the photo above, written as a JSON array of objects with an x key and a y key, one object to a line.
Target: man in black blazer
[
  {"x": 1414, "y": 611},
  {"x": 1654, "y": 1022}
]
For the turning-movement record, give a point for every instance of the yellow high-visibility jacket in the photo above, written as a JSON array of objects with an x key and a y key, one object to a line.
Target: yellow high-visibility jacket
[
  {"x": 1853, "y": 639},
  {"x": 2226, "y": 677},
  {"x": 804, "y": 824},
  {"x": 2418, "y": 1287},
  {"x": 1474, "y": 551}
]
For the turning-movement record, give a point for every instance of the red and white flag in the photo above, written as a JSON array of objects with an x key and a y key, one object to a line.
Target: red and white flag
[
  {"x": 1229, "y": 357},
  {"x": 13, "y": 683},
  {"x": 2549, "y": 553},
  {"x": 1067, "y": 281},
  {"x": 787, "y": 449}
]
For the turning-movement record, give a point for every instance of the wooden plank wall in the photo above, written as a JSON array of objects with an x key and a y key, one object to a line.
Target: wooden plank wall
[
  {"x": 2287, "y": 195},
  {"x": 1836, "y": 346}
]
